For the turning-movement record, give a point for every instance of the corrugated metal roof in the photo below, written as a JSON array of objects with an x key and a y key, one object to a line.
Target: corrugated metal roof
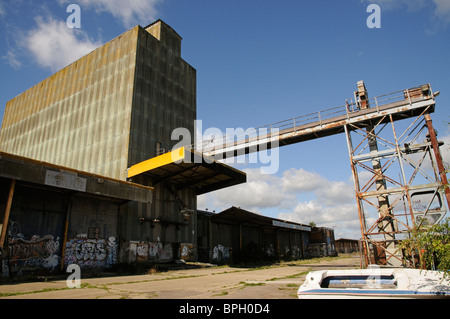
[{"x": 236, "y": 215}]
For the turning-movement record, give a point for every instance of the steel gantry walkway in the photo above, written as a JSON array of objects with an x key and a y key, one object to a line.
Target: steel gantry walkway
[
  {"x": 402, "y": 104},
  {"x": 399, "y": 176}
]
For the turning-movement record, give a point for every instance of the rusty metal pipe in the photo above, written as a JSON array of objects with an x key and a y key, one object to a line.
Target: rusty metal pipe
[
  {"x": 362, "y": 222},
  {"x": 437, "y": 154},
  {"x": 7, "y": 213}
]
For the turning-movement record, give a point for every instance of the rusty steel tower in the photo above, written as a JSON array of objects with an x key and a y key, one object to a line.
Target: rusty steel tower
[
  {"x": 398, "y": 172},
  {"x": 397, "y": 168}
]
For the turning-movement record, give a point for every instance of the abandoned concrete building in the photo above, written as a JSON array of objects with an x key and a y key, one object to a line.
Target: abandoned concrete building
[{"x": 87, "y": 172}]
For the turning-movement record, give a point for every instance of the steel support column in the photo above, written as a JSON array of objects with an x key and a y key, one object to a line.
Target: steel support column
[
  {"x": 362, "y": 222},
  {"x": 438, "y": 157},
  {"x": 386, "y": 224},
  {"x": 7, "y": 213}
]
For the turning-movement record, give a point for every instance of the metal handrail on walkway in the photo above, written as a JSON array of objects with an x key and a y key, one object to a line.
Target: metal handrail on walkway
[{"x": 351, "y": 109}]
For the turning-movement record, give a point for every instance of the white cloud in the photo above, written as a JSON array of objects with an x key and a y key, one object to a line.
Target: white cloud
[
  {"x": 411, "y": 5},
  {"x": 54, "y": 45},
  {"x": 336, "y": 193},
  {"x": 260, "y": 192},
  {"x": 300, "y": 180},
  {"x": 322, "y": 214},
  {"x": 445, "y": 150},
  {"x": 13, "y": 59},
  {"x": 442, "y": 10},
  {"x": 2, "y": 9},
  {"x": 129, "y": 12},
  {"x": 333, "y": 203}
]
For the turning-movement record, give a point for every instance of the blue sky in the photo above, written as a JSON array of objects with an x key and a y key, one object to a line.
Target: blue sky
[{"x": 258, "y": 62}]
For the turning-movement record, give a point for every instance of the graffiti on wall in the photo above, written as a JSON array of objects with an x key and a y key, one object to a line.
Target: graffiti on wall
[
  {"x": 221, "y": 254},
  {"x": 149, "y": 251},
  {"x": 269, "y": 251},
  {"x": 142, "y": 251},
  {"x": 296, "y": 252},
  {"x": 187, "y": 252},
  {"x": 159, "y": 251},
  {"x": 292, "y": 252},
  {"x": 91, "y": 252},
  {"x": 36, "y": 252}
]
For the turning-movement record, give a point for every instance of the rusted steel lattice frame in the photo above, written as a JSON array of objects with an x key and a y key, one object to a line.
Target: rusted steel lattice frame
[{"x": 402, "y": 189}]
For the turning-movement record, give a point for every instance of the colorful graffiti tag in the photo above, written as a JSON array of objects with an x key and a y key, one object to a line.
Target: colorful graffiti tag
[
  {"x": 36, "y": 252},
  {"x": 91, "y": 253},
  {"x": 187, "y": 252},
  {"x": 150, "y": 251}
]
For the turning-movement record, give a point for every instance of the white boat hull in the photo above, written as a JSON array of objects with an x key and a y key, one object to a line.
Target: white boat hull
[{"x": 374, "y": 283}]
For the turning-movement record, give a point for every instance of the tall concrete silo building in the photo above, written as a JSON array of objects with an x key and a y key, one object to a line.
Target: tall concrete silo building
[
  {"x": 112, "y": 109},
  {"x": 108, "y": 109}
]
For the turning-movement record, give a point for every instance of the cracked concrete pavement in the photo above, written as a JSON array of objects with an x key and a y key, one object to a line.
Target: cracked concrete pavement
[{"x": 279, "y": 281}]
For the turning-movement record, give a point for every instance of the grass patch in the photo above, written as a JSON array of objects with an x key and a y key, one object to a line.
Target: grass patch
[
  {"x": 223, "y": 293},
  {"x": 8, "y": 294},
  {"x": 297, "y": 275},
  {"x": 249, "y": 284}
]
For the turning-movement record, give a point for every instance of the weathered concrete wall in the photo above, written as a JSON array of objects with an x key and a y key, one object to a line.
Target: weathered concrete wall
[
  {"x": 164, "y": 95},
  {"x": 80, "y": 116}
]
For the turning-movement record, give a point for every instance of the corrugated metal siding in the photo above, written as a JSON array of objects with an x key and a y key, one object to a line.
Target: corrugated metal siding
[
  {"x": 35, "y": 231},
  {"x": 37, "y": 223},
  {"x": 236, "y": 238},
  {"x": 172, "y": 228},
  {"x": 80, "y": 116},
  {"x": 92, "y": 233}
]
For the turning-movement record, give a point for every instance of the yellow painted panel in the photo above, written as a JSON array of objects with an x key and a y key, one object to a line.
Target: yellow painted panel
[{"x": 148, "y": 165}]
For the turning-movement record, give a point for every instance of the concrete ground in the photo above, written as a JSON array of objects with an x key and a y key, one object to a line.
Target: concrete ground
[{"x": 279, "y": 281}]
